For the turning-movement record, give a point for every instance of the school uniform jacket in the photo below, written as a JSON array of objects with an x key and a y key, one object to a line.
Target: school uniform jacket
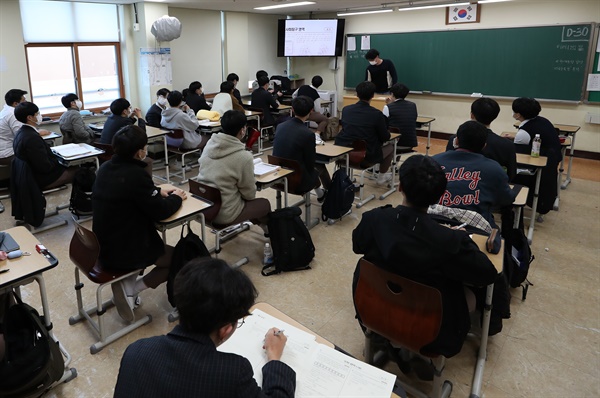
[
  {"x": 114, "y": 123},
  {"x": 293, "y": 140},
  {"x": 474, "y": 183},
  {"x": 497, "y": 148},
  {"x": 403, "y": 114},
  {"x": 361, "y": 121},
  {"x": 126, "y": 206},
  {"x": 197, "y": 102},
  {"x": 409, "y": 243},
  {"x": 183, "y": 364},
  {"x": 264, "y": 100},
  {"x": 30, "y": 147},
  {"x": 153, "y": 116}
]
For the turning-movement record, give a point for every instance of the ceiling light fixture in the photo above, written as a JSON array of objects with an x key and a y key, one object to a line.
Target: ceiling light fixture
[
  {"x": 433, "y": 6},
  {"x": 491, "y": 1},
  {"x": 300, "y": 3},
  {"x": 344, "y": 14}
]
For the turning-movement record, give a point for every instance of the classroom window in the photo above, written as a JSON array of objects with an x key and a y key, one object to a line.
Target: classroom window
[{"x": 91, "y": 70}]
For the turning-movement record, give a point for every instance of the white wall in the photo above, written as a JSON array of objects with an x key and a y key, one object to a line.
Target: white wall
[
  {"x": 450, "y": 112},
  {"x": 13, "y": 67}
]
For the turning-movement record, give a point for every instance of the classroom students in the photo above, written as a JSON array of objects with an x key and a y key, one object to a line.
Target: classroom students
[
  {"x": 225, "y": 100},
  {"x": 153, "y": 115},
  {"x": 293, "y": 140},
  {"x": 361, "y": 121},
  {"x": 263, "y": 99},
  {"x": 311, "y": 92},
  {"x": 179, "y": 116},
  {"x": 402, "y": 114},
  {"x": 71, "y": 122},
  {"x": 122, "y": 115},
  {"x": 227, "y": 165},
  {"x": 126, "y": 206},
  {"x": 195, "y": 97},
  {"x": 212, "y": 299},
  {"x": 381, "y": 72}
]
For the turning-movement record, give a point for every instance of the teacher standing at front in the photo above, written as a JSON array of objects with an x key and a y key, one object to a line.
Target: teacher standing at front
[{"x": 381, "y": 72}]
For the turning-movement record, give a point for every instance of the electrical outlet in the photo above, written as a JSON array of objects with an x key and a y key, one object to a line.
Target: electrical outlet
[{"x": 136, "y": 27}]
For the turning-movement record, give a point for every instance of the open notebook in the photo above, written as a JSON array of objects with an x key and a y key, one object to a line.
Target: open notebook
[
  {"x": 321, "y": 371},
  {"x": 71, "y": 150},
  {"x": 261, "y": 168}
]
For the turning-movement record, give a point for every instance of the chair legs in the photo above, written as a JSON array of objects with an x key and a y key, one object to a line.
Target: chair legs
[
  {"x": 222, "y": 235},
  {"x": 360, "y": 199},
  {"x": 99, "y": 326}
]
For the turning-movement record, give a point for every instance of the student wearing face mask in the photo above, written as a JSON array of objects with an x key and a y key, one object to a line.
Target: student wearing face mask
[
  {"x": 381, "y": 72},
  {"x": 122, "y": 115},
  {"x": 31, "y": 148},
  {"x": 153, "y": 115},
  {"x": 71, "y": 122}
]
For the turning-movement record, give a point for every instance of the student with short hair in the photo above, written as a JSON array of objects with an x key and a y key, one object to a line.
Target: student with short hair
[
  {"x": 31, "y": 148},
  {"x": 311, "y": 92},
  {"x": 226, "y": 165},
  {"x": 485, "y": 111},
  {"x": 234, "y": 78},
  {"x": 405, "y": 240},
  {"x": 212, "y": 299},
  {"x": 293, "y": 140},
  {"x": 122, "y": 115},
  {"x": 126, "y": 206},
  {"x": 71, "y": 122},
  {"x": 195, "y": 97},
  {"x": 179, "y": 116},
  {"x": 153, "y": 115},
  {"x": 261, "y": 98},
  {"x": 402, "y": 114},
  {"x": 381, "y": 72},
  {"x": 361, "y": 121},
  {"x": 225, "y": 101}
]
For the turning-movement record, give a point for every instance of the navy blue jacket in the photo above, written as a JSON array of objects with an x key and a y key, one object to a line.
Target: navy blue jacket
[
  {"x": 264, "y": 100},
  {"x": 30, "y": 147},
  {"x": 114, "y": 123},
  {"x": 403, "y": 114}
]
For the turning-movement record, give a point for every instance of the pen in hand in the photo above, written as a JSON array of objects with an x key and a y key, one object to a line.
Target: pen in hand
[
  {"x": 460, "y": 226},
  {"x": 277, "y": 333}
]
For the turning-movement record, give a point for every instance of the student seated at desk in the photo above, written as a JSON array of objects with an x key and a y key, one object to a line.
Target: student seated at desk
[
  {"x": 31, "y": 148},
  {"x": 234, "y": 78},
  {"x": 402, "y": 114},
  {"x": 126, "y": 206},
  {"x": 195, "y": 97},
  {"x": 226, "y": 165},
  {"x": 361, "y": 121},
  {"x": 526, "y": 111},
  {"x": 273, "y": 89},
  {"x": 225, "y": 101},
  {"x": 71, "y": 122},
  {"x": 261, "y": 98},
  {"x": 122, "y": 115},
  {"x": 405, "y": 240},
  {"x": 179, "y": 116},
  {"x": 153, "y": 115},
  {"x": 293, "y": 140},
  {"x": 474, "y": 181},
  {"x": 311, "y": 92},
  {"x": 212, "y": 299}
]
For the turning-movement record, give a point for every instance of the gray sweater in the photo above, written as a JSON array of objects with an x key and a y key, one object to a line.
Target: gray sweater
[
  {"x": 225, "y": 164},
  {"x": 175, "y": 118},
  {"x": 75, "y": 130}
]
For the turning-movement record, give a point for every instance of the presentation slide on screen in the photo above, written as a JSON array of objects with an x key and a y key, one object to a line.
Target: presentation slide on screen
[{"x": 310, "y": 37}]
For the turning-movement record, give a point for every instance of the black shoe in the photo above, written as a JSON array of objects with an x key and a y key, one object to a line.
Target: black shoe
[
  {"x": 396, "y": 355},
  {"x": 423, "y": 368},
  {"x": 1, "y": 207},
  {"x": 321, "y": 198}
]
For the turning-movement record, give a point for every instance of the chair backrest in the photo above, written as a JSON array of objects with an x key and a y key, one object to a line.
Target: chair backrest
[
  {"x": 405, "y": 312},
  {"x": 358, "y": 153},
  {"x": 175, "y": 133},
  {"x": 84, "y": 249},
  {"x": 394, "y": 130},
  {"x": 294, "y": 179},
  {"x": 209, "y": 193},
  {"x": 67, "y": 136},
  {"x": 107, "y": 148}
]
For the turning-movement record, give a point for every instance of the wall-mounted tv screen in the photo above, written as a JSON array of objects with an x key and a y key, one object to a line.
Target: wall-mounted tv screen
[{"x": 310, "y": 37}]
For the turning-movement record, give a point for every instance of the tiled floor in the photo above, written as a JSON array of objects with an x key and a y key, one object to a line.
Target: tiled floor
[{"x": 549, "y": 348}]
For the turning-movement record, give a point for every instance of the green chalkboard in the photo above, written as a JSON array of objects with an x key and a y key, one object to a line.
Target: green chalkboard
[{"x": 546, "y": 62}]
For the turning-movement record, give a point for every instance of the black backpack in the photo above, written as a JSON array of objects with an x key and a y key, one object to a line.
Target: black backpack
[
  {"x": 80, "y": 203},
  {"x": 340, "y": 196},
  {"x": 188, "y": 248},
  {"x": 517, "y": 258},
  {"x": 33, "y": 360},
  {"x": 293, "y": 248}
]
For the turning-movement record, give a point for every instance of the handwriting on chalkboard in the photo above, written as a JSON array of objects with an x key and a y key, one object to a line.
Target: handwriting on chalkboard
[{"x": 576, "y": 33}]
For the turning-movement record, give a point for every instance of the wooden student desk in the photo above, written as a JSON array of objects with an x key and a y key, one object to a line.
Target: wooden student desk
[
  {"x": 26, "y": 269},
  {"x": 537, "y": 164},
  {"x": 191, "y": 209},
  {"x": 330, "y": 152},
  {"x": 155, "y": 134},
  {"x": 268, "y": 180},
  {"x": 92, "y": 155}
]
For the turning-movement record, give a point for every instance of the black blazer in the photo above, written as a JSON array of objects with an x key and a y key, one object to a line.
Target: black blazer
[
  {"x": 183, "y": 364},
  {"x": 114, "y": 123},
  {"x": 264, "y": 100},
  {"x": 153, "y": 116},
  {"x": 30, "y": 147},
  {"x": 197, "y": 102}
]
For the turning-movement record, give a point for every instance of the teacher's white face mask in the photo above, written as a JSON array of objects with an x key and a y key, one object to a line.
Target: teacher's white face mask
[{"x": 373, "y": 62}]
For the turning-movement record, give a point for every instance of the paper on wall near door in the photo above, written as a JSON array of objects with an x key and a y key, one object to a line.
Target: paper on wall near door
[
  {"x": 351, "y": 43},
  {"x": 593, "y": 83},
  {"x": 365, "y": 42}
]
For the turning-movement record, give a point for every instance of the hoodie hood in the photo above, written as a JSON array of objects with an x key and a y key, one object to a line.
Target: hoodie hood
[
  {"x": 221, "y": 145},
  {"x": 170, "y": 114}
]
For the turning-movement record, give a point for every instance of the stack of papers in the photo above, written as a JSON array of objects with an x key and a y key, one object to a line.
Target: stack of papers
[
  {"x": 68, "y": 151},
  {"x": 321, "y": 371},
  {"x": 261, "y": 168}
]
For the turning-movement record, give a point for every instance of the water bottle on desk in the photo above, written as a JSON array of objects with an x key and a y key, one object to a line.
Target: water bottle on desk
[
  {"x": 268, "y": 255},
  {"x": 535, "y": 147}
]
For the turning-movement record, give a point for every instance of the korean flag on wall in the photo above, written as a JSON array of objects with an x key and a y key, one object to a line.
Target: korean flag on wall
[{"x": 462, "y": 14}]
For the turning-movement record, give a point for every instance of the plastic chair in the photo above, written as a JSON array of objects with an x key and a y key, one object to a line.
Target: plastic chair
[
  {"x": 223, "y": 232},
  {"x": 294, "y": 181},
  {"x": 178, "y": 134},
  {"x": 84, "y": 251},
  {"x": 406, "y": 313}
]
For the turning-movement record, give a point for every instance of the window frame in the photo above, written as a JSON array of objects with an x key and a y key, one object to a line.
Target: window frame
[{"x": 77, "y": 69}]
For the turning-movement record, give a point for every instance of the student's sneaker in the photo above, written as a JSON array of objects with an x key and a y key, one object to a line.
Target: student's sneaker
[
  {"x": 1, "y": 207},
  {"x": 320, "y": 194},
  {"x": 121, "y": 302},
  {"x": 384, "y": 178}
]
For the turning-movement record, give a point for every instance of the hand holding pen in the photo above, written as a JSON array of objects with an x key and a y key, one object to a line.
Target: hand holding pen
[{"x": 274, "y": 343}]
